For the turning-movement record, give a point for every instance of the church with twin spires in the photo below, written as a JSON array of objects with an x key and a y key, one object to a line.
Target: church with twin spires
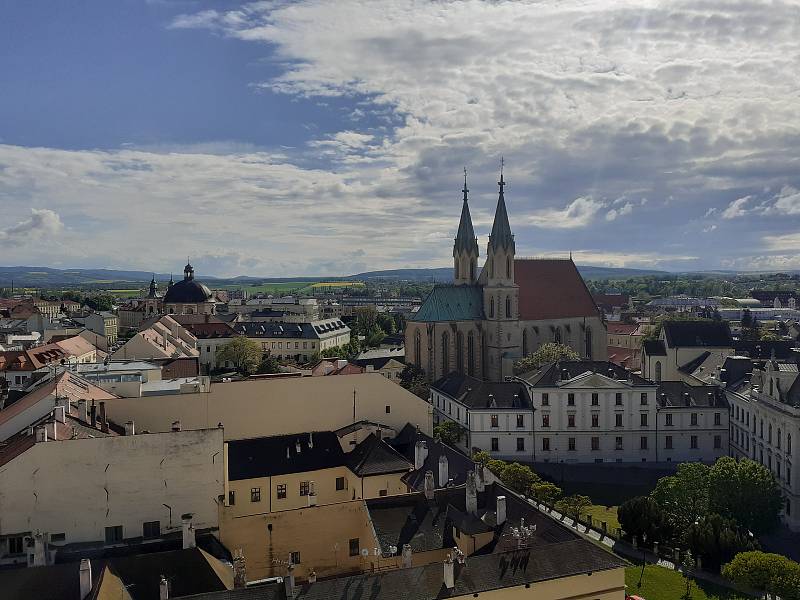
[{"x": 486, "y": 320}]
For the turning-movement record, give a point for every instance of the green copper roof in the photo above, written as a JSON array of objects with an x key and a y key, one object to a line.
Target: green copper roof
[{"x": 451, "y": 303}]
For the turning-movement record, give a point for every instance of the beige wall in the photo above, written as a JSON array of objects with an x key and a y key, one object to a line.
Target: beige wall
[
  {"x": 277, "y": 406},
  {"x": 79, "y": 487},
  {"x": 321, "y": 534},
  {"x": 600, "y": 585}
]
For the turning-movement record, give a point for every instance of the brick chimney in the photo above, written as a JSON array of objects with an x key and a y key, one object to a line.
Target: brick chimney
[{"x": 85, "y": 578}]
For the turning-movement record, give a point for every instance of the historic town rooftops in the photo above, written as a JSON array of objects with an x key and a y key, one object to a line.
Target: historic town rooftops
[
  {"x": 676, "y": 394},
  {"x": 458, "y": 464},
  {"x": 554, "y": 374},
  {"x": 211, "y": 330},
  {"x": 373, "y": 456},
  {"x": 282, "y": 454},
  {"x": 452, "y": 303},
  {"x": 685, "y": 334},
  {"x": 551, "y": 288},
  {"x": 780, "y": 349},
  {"x": 313, "y": 330},
  {"x": 654, "y": 348},
  {"x": 478, "y": 394},
  {"x": 621, "y": 328}
]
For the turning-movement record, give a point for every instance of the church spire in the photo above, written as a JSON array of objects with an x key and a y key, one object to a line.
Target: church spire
[
  {"x": 465, "y": 238},
  {"x": 501, "y": 236}
]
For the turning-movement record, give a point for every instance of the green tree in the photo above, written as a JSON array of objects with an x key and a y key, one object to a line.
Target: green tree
[
  {"x": 413, "y": 379},
  {"x": 243, "y": 353},
  {"x": 544, "y": 491},
  {"x": 546, "y": 354},
  {"x": 745, "y": 491},
  {"x": 641, "y": 516},
  {"x": 768, "y": 573},
  {"x": 100, "y": 302},
  {"x": 268, "y": 364},
  {"x": 519, "y": 478},
  {"x": 717, "y": 540},
  {"x": 449, "y": 433},
  {"x": 497, "y": 467},
  {"x": 574, "y": 505},
  {"x": 684, "y": 496},
  {"x": 481, "y": 457}
]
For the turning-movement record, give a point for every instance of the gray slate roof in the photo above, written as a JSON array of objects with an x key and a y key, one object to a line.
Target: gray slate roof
[{"x": 478, "y": 394}]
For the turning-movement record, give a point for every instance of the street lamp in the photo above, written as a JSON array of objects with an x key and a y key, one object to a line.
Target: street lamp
[{"x": 644, "y": 559}]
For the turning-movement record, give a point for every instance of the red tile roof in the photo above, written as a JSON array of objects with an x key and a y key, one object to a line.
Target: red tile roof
[
  {"x": 621, "y": 328},
  {"x": 551, "y": 289}
]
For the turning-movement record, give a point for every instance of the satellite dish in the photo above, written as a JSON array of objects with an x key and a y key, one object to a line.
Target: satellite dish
[
  {"x": 364, "y": 552},
  {"x": 393, "y": 549}
]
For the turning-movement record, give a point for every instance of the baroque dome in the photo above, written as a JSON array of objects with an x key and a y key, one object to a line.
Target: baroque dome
[{"x": 187, "y": 291}]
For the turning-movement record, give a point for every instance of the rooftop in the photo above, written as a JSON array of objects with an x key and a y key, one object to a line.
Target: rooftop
[
  {"x": 685, "y": 334},
  {"x": 553, "y": 374},
  {"x": 673, "y": 394},
  {"x": 373, "y": 456},
  {"x": 282, "y": 454},
  {"x": 551, "y": 289},
  {"x": 478, "y": 394}
]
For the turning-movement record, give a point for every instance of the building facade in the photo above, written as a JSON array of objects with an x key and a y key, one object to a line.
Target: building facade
[{"x": 486, "y": 320}]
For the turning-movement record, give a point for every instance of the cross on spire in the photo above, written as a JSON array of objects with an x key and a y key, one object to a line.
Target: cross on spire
[
  {"x": 465, "y": 190},
  {"x": 501, "y": 183}
]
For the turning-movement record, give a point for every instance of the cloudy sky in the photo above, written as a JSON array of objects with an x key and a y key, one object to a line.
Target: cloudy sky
[{"x": 284, "y": 138}]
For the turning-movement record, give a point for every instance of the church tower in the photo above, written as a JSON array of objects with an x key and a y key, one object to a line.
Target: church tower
[
  {"x": 500, "y": 293},
  {"x": 465, "y": 248}
]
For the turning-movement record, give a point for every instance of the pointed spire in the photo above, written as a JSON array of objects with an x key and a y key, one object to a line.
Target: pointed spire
[
  {"x": 501, "y": 236},
  {"x": 465, "y": 238}
]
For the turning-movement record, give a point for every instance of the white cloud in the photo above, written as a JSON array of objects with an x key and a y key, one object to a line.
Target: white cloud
[
  {"x": 625, "y": 209},
  {"x": 42, "y": 222},
  {"x": 787, "y": 201},
  {"x": 788, "y": 241},
  {"x": 631, "y": 260},
  {"x": 736, "y": 208},
  {"x": 578, "y": 213}
]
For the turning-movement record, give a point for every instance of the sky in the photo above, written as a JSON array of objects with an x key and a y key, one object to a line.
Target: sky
[{"x": 329, "y": 138}]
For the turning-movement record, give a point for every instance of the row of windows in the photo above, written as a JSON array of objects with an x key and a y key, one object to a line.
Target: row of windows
[
  {"x": 595, "y": 399},
  {"x": 618, "y": 443},
  {"x": 150, "y": 530},
  {"x": 281, "y": 492},
  {"x": 744, "y": 417},
  {"x": 768, "y": 464},
  {"x": 354, "y": 549},
  {"x": 495, "y": 444}
]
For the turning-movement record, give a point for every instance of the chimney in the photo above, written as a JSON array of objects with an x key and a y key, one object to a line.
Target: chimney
[
  {"x": 310, "y": 440},
  {"x": 39, "y": 550},
  {"x": 378, "y": 433},
  {"x": 449, "y": 573},
  {"x": 480, "y": 478},
  {"x": 163, "y": 589},
  {"x": 188, "y": 531},
  {"x": 472, "y": 494},
  {"x": 59, "y": 414},
  {"x": 443, "y": 471},
  {"x": 687, "y": 399},
  {"x": 288, "y": 581},
  {"x": 85, "y": 578},
  {"x": 420, "y": 454},
  {"x": 312, "y": 495},
  {"x": 41, "y": 434},
  {"x": 52, "y": 430},
  {"x": 94, "y": 415},
  {"x": 501, "y": 510},
  {"x": 298, "y": 448},
  {"x": 312, "y": 577},
  {"x": 130, "y": 428},
  {"x": 430, "y": 486},
  {"x": 83, "y": 414},
  {"x": 176, "y": 426},
  {"x": 103, "y": 421},
  {"x": 239, "y": 570},
  {"x": 407, "y": 556}
]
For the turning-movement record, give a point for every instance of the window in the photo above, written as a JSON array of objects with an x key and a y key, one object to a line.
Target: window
[
  {"x": 445, "y": 353},
  {"x": 491, "y": 307},
  {"x": 495, "y": 421},
  {"x": 60, "y": 537},
  {"x": 520, "y": 444},
  {"x": 470, "y": 354},
  {"x": 668, "y": 419},
  {"x": 417, "y": 348},
  {"x": 304, "y": 488},
  {"x": 643, "y": 419},
  {"x": 382, "y": 492},
  {"x": 520, "y": 420},
  {"x": 459, "y": 352},
  {"x": 644, "y": 399},
  {"x": 643, "y": 442},
  {"x": 388, "y": 409},
  {"x": 618, "y": 398},
  {"x": 717, "y": 419},
  {"x": 294, "y": 558},
  {"x": 355, "y": 547},
  {"x": 570, "y": 399},
  {"x": 618, "y": 420},
  {"x": 717, "y": 442},
  {"x": 693, "y": 442},
  {"x": 114, "y": 534},
  {"x": 589, "y": 343},
  {"x": 495, "y": 444},
  {"x": 255, "y": 494},
  {"x": 668, "y": 442},
  {"x": 339, "y": 484},
  {"x": 524, "y": 342},
  {"x": 280, "y": 491},
  {"x": 231, "y": 498},
  {"x": 595, "y": 420},
  {"x": 151, "y": 529},
  {"x": 557, "y": 335},
  {"x": 658, "y": 370},
  {"x": 761, "y": 429},
  {"x": 788, "y": 443},
  {"x": 545, "y": 399},
  {"x": 570, "y": 420},
  {"x": 779, "y": 437},
  {"x": 595, "y": 443},
  {"x": 618, "y": 442},
  {"x": 595, "y": 399},
  {"x": 508, "y": 267},
  {"x": 546, "y": 444},
  {"x": 545, "y": 420},
  {"x": 571, "y": 444},
  {"x": 508, "y": 307},
  {"x": 769, "y": 436},
  {"x": 694, "y": 419},
  {"x": 16, "y": 545}
]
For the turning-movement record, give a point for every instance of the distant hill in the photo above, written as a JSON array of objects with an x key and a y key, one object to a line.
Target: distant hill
[{"x": 446, "y": 274}]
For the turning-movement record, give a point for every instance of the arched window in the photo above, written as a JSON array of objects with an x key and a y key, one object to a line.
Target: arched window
[
  {"x": 472, "y": 270},
  {"x": 771, "y": 389},
  {"x": 445, "y": 353},
  {"x": 588, "y": 343},
  {"x": 557, "y": 335},
  {"x": 779, "y": 437},
  {"x": 524, "y": 342},
  {"x": 788, "y": 443},
  {"x": 658, "y": 370},
  {"x": 508, "y": 267},
  {"x": 417, "y": 348},
  {"x": 491, "y": 307},
  {"x": 508, "y": 307},
  {"x": 470, "y": 354},
  {"x": 460, "y": 352}
]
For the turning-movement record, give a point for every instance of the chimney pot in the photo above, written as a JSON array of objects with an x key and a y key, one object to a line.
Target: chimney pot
[
  {"x": 407, "y": 553},
  {"x": 130, "y": 428},
  {"x": 176, "y": 426},
  {"x": 59, "y": 414},
  {"x": 501, "y": 510},
  {"x": 444, "y": 475},
  {"x": 188, "y": 531},
  {"x": 163, "y": 589},
  {"x": 472, "y": 494},
  {"x": 449, "y": 573},
  {"x": 430, "y": 486},
  {"x": 41, "y": 434},
  {"x": 85, "y": 577}
]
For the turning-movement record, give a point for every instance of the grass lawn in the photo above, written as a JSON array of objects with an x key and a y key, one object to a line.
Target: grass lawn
[
  {"x": 664, "y": 584},
  {"x": 278, "y": 287},
  {"x": 604, "y": 513}
]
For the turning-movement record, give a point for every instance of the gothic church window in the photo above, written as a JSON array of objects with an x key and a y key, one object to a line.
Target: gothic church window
[
  {"x": 524, "y": 342},
  {"x": 588, "y": 343},
  {"x": 470, "y": 354},
  {"x": 491, "y": 307},
  {"x": 508, "y": 307},
  {"x": 557, "y": 335},
  {"x": 445, "y": 353},
  {"x": 460, "y": 352},
  {"x": 417, "y": 348},
  {"x": 508, "y": 267}
]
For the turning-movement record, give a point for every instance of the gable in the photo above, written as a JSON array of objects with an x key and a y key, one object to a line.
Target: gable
[
  {"x": 593, "y": 381},
  {"x": 551, "y": 289}
]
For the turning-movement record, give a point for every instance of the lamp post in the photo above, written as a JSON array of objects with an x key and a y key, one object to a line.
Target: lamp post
[{"x": 644, "y": 559}]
